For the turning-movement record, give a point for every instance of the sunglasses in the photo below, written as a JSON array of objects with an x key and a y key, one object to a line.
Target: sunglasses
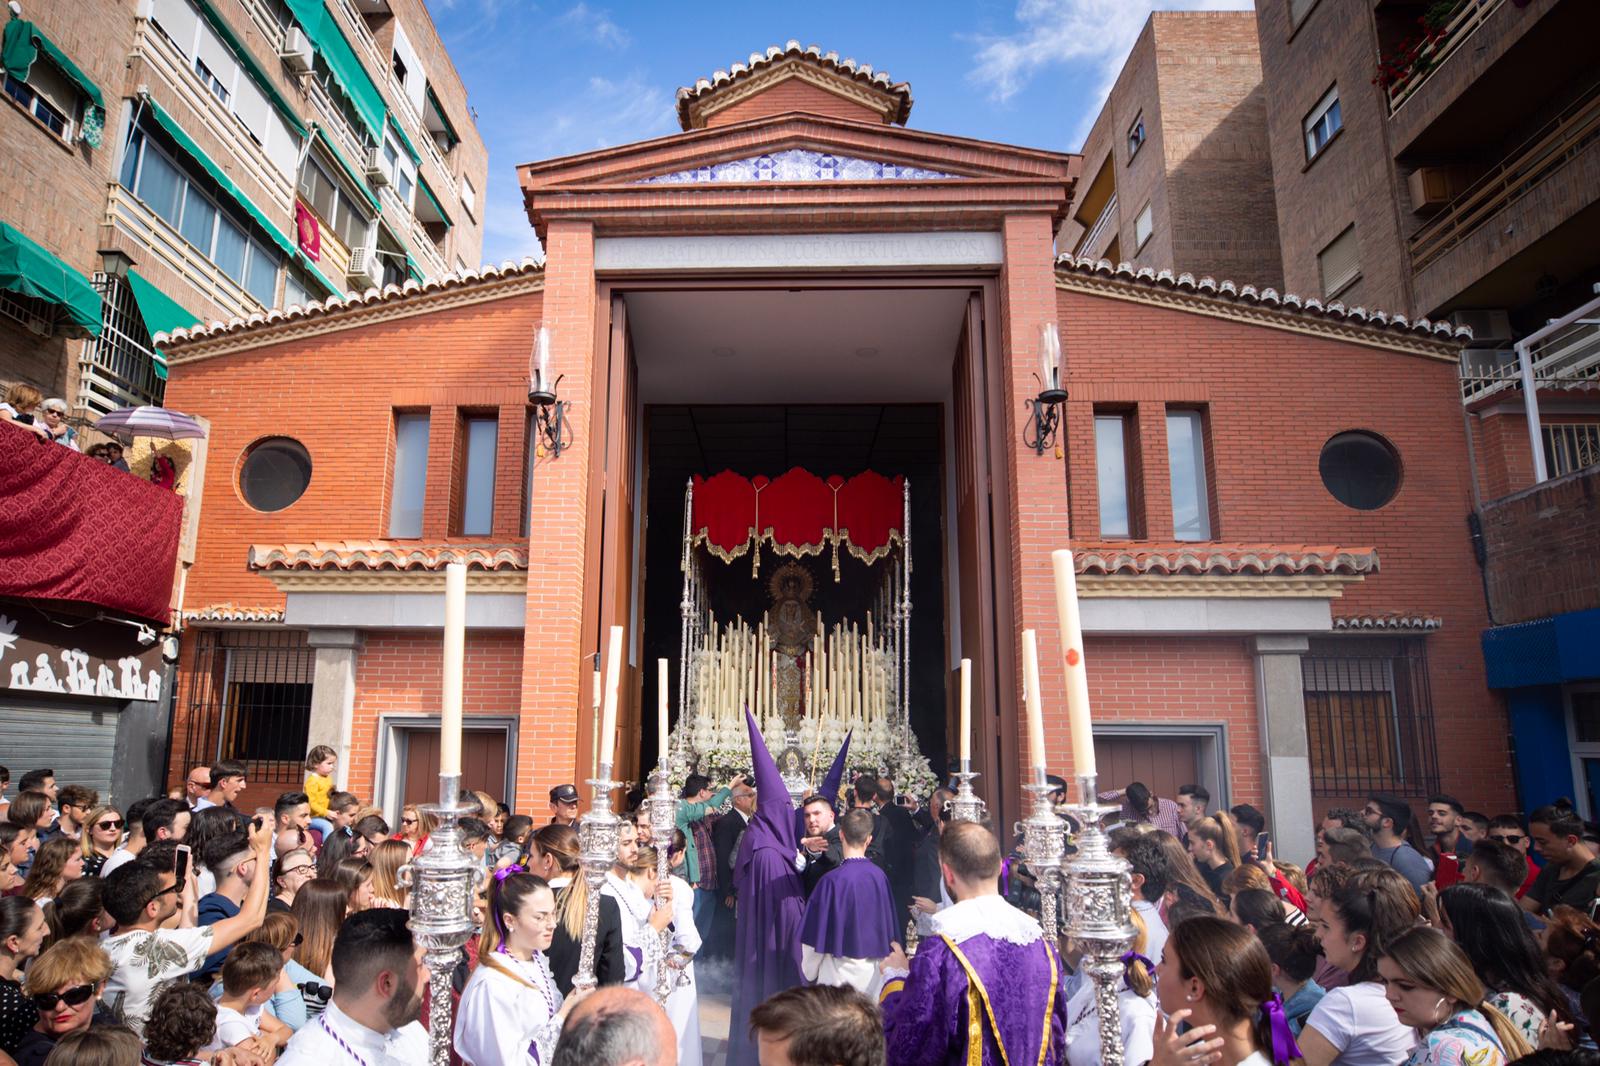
[
  {"x": 299, "y": 938},
  {"x": 1507, "y": 838},
  {"x": 408, "y": 821},
  {"x": 111, "y": 823},
  {"x": 158, "y": 895},
  {"x": 72, "y": 997}
]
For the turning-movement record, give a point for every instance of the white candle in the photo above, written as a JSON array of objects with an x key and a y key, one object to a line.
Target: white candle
[
  {"x": 455, "y": 652},
  {"x": 966, "y": 710},
  {"x": 661, "y": 706},
  {"x": 1030, "y": 697},
  {"x": 608, "y": 716},
  {"x": 1072, "y": 654}
]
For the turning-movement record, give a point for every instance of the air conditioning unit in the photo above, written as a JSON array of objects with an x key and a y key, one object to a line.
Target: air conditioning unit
[
  {"x": 365, "y": 272},
  {"x": 377, "y": 173},
  {"x": 296, "y": 52},
  {"x": 1487, "y": 324}
]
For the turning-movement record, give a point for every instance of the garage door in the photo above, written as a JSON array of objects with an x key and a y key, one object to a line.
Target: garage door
[
  {"x": 1163, "y": 763},
  {"x": 77, "y": 741}
]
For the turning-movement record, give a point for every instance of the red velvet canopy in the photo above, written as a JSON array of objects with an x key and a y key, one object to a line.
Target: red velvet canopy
[
  {"x": 73, "y": 528},
  {"x": 798, "y": 513}
]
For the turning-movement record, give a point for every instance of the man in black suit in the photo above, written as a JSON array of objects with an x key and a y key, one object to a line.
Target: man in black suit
[
  {"x": 725, "y": 836},
  {"x": 820, "y": 845},
  {"x": 901, "y": 847}
]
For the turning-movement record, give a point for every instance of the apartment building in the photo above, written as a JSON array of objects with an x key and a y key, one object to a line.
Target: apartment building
[
  {"x": 1177, "y": 172},
  {"x": 168, "y": 162}
]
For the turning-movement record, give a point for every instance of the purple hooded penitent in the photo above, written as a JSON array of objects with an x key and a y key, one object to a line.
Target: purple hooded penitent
[{"x": 771, "y": 898}]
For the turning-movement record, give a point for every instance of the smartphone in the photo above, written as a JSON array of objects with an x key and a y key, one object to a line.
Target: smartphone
[
  {"x": 181, "y": 866},
  {"x": 1263, "y": 841}
]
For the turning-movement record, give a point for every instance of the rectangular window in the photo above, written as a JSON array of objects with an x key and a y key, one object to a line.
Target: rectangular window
[
  {"x": 1186, "y": 460},
  {"x": 1143, "y": 226},
  {"x": 1111, "y": 463},
  {"x": 199, "y": 220},
  {"x": 469, "y": 196},
  {"x": 35, "y": 104},
  {"x": 1136, "y": 136},
  {"x": 477, "y": 497},
  {"x": 410, "y": 474},
  {"x": 1570, "y": 446},
  {"x": 1340, "y": 262},
  {"x": 1321, "y": 123},
  {"x": 1369, "y": 717},
  {"x": 211, "y": 81}
]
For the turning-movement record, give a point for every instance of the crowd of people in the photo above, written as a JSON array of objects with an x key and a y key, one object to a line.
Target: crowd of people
[{"x": 861, "y": 929}]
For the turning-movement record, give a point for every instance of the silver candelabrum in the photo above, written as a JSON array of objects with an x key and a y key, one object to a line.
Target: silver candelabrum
[
  {"x": 443, "y": 881},
  {"x": 663, "y": 820},
  {"x": 1044, "y": 839},
  {"x": 598, "y": 831},
  {"x": 1099, "y": 909},
  {"x": 965, "y": 806}
]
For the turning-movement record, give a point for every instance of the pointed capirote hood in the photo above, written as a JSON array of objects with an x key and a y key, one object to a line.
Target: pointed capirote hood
[
  {"x": 835, "y": 778},
  {"x": 774, "y": 808}
]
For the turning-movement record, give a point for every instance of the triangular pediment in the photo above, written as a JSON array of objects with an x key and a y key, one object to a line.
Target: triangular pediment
[{"x": 793, "y": 78}]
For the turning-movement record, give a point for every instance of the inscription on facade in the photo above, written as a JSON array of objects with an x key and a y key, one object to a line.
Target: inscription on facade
[{"x": 763, "y": 251}]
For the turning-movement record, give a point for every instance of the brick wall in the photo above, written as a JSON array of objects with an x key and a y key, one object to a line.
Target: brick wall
[
  {"x": 1544, "y": 549},
  {"x": 1271, "y": 405},
  {"x": 792, "y": 94}
]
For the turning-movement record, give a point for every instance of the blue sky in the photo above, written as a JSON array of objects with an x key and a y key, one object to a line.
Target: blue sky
[{"x": 564, "y": 76}]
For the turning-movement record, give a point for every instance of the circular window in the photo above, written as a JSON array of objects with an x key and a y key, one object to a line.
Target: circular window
[
  {"x": 275, "y": 473},
  {"x": 1361, "y": 470}
]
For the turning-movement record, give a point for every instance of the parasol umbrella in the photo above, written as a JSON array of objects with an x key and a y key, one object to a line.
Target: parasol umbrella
[{"x": 151, "y": 422}]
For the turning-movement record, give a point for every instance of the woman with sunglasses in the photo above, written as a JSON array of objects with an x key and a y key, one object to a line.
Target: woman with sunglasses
[
  {"x": 22, "y": 931},
  {"x": 65, "y": 984},
  {"x": 287, "y": 1004},
  {"x": 56, "y": 862},
  {"x": 415, "y": 825},
  {"x": 292, "y": 871},
  {"x": 102, "y": 834},
  {"x": 511, "y": 1010}
]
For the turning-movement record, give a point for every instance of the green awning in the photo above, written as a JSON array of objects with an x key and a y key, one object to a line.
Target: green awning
[
  {"x": 449, "y": 129},
  {"x": 257, "y": 72},
  {"x": 22, "y": 44},
  {"x": 161, "y": 314},
  {"x": 321, "y": 279},
  {"x": 422, "y": 183},
  {"x": 29, "y": 270},
  {"x": 413, "y": 269},
  {"x": 411, "y": 149},
  {"x": 218, "y": 175},
  {"x": 329, "y": 40},
  {"x": 350, "y": 171}
]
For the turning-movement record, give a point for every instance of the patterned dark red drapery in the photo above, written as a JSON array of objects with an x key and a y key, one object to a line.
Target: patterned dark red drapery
[
  {"x": 72, "y": 528},
  {"x": 798, "y": 513}
]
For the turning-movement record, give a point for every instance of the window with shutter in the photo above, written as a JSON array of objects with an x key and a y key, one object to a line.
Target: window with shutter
[
  {"x": 1340, "y": 262},
  {"x": 1143, "y": 226}
]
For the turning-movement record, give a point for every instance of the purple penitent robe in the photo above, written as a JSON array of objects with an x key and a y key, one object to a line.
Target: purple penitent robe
[
  {"x": 1015, "y": 988},
  {"x": 771, "y": 899}
]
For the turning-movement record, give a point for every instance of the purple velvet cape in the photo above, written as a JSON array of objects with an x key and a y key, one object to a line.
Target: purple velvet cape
[
  {"x": 925, "y": 1020},
  {"x": 771, "y": 899},
  {"x": 851, "y": 913}
]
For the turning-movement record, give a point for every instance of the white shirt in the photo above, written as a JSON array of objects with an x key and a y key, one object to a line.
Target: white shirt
[
  {"x": 235, "y": 1026},
  {"x": 500, "y": 1018},
  {"x": 314, "y": 1045},
  {"x": 1083, "y": 1027},
  {"x": 120, "y": 857},
  {"x": 203, "y": 802},
  {"x": 143, "y": 961},
  {"x": 1155, "y": 930},
  {"x": 1359, "y": 1022}
]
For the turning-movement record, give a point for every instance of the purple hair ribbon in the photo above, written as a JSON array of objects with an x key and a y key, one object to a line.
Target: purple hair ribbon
[
  {"x": 506, "y": 871},
  {"x": 1284, "y": 1049},
  {"x": 1131, "y": 957}
]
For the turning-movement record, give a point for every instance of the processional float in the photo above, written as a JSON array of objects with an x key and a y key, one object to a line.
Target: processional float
[{"x": 807, "y": 679}]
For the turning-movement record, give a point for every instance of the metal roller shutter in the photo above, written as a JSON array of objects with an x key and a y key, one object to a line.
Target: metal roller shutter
[{"x": 77, "y": 741}]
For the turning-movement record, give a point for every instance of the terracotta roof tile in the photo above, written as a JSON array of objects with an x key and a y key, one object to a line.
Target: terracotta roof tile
[
  {"x": 385, "y": 555},
  {"x": 1390, "y": 623},
  {"x": 1266, "y": 297},
  {"x": 387, "y": 294},
  {"x": 759, "y": 61},
  {"x": 1217, "y": 558},
  {"x": 227, "y": 612}
]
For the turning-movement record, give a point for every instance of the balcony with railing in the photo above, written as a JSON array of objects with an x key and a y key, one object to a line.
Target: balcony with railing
[
  {"x": 118, "y": 368},
  {"x": 1565, "y": 358},
  {"x": 1106, "y": 222},
  {"x": 127, "y": 214},
  {"x": 1433, "y": 37}
]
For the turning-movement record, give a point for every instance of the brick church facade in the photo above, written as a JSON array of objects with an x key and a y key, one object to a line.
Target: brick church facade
[{"x": 1266, "y": 494}]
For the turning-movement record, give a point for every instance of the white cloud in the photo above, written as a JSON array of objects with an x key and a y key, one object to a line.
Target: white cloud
[
  {"x": 594, "y": 24},
  {"x": 1095, "y": 35},
  {"x": 593, "y": 113}
]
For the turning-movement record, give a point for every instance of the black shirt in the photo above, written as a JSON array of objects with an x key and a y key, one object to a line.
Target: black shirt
[
  {"x": 34, "y": 1049},
  {"x": 1215, "y": 876},
  {"x": 565, "y": 949},
  {"x": 1550, "y": 888},
  {"x": 17, "y": 1015}
]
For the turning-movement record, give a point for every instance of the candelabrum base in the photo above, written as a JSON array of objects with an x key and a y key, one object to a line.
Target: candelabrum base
[
  {"x": 966, "y": 806},
  {"x": 443, "y": 882},
  {"x": 598, "y": 831},
  {"x": 1099, "y": 912}
]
